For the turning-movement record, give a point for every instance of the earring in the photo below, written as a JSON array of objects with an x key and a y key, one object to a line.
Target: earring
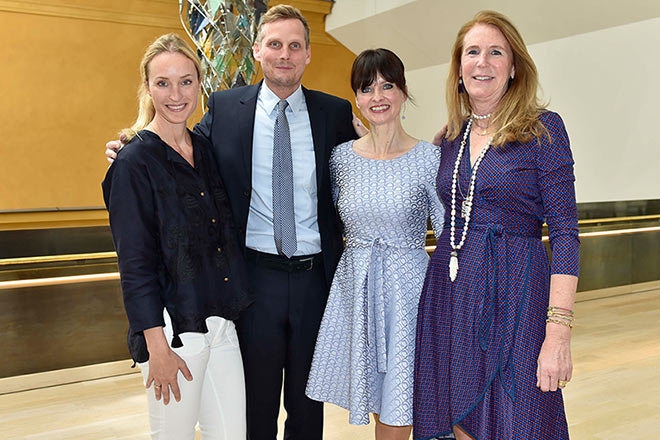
[
  {"x": 461, "y": 87},
  {"x": 510, "y": 82},
  {"x": 403, "y": 112}
]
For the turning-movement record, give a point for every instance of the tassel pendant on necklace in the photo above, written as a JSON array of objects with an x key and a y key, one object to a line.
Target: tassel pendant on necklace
[
  {"x": 466, "y": 207},
  {"x": 453, "y": 265}
]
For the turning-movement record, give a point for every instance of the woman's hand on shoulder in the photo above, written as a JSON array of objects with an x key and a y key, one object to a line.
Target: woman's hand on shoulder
[
  {"x": 439, "y": 136},
  {"x": 164, "y": 366}
]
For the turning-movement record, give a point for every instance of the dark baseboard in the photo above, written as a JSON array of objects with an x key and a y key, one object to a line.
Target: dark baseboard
[{"x": 621, "y": 208}]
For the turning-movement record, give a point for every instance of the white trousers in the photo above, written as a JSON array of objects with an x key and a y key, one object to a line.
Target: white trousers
[{"x": 216, "y": 395}]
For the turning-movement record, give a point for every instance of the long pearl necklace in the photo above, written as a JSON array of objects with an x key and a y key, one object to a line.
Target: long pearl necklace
[{"x": 466, "y": 206}]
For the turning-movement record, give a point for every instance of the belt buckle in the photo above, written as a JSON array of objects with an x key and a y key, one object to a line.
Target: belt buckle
[{"x": 311, "y": 263}]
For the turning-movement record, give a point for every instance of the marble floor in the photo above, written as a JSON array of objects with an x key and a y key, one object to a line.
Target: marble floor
[{"x": 615, "y": 392}]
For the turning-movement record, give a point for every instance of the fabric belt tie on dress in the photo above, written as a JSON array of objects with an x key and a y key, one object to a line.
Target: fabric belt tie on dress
[
  {"x": 495, "y": 293},
  {"x": 375, "y": 296},
  {"x": 486, "y": 315},
  {"x": 496, "y": 254}
]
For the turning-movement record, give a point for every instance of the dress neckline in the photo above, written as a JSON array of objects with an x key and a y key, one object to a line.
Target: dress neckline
[{"x": 419, "y": 142}]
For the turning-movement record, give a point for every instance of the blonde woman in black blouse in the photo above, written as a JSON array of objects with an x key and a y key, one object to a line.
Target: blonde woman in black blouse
[{"x": 182, "y": 273}]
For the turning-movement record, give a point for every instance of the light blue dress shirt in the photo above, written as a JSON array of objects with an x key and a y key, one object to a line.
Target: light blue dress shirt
[{"x": 259, "y": 234}]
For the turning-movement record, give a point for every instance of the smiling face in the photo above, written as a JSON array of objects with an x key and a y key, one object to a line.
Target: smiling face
[
  {"x": 283, "y": 55},
  {"x": 380, "y": 102},
  {"x": 486, "y": 66},
  {"x": 173, "y": 84}
]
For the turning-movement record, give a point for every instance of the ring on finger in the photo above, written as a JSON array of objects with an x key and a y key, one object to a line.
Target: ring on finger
[{"x": 562, "y": 383}]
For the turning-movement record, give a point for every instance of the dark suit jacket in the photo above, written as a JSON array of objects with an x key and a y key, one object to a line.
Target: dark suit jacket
[{"x": 229, "y": 125}]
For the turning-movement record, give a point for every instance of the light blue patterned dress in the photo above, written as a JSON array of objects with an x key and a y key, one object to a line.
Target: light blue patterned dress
[{"x": 365, "y": 348}]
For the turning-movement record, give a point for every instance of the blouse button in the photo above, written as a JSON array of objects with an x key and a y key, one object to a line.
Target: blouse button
[
  {"x": 219, "y": 250},
  {"x": 226, "y": 279},
  {"x": 202, "y": 194},
  {"x": 213, "y": 220}
]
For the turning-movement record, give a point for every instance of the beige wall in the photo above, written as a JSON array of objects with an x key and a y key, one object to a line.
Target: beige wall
[{"x": 69, "y": 77}]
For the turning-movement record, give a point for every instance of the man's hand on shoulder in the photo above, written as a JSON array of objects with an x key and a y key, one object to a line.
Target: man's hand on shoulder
[
  {"x": 113, "y": 147},
  {"x": 359, "y": 127}
]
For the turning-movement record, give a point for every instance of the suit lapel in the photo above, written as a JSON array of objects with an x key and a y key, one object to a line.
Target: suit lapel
[
  {"x": 246, "y": 111},
  {"x": 317, "y": 121}
]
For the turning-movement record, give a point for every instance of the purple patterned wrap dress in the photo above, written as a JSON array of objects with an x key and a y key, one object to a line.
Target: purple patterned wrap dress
[{"x": 478, "y": 338}]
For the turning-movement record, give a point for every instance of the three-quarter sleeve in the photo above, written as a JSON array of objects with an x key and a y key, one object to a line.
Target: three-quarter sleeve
[
  {"x": 436, "y": 208},
  {"x": 557, "y": 189},
  {"x": 334, "y": 185},
  {"x": 128, "y": 196}
]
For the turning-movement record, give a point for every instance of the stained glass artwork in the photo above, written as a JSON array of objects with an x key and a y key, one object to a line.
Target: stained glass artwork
[{"x": 224, "y": 32}]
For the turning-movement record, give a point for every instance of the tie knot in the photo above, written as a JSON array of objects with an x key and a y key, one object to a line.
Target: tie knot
[{"x": 282, "y": 105}]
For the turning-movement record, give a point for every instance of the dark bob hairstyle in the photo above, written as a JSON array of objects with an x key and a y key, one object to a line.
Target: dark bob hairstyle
[{"x": 371, "y": 62}]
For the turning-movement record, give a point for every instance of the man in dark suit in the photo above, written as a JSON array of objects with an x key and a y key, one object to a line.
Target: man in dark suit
[{"x": 278, "y": 331}]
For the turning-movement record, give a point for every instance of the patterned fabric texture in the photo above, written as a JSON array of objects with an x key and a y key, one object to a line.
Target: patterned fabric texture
[
  {"x": 365, "y": 348},
  {"x": 284, "y": 219},
  {"x": 478, "y": 338}
]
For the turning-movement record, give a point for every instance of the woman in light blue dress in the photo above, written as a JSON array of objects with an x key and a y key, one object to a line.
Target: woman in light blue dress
[{"x": 384, "y": 190}]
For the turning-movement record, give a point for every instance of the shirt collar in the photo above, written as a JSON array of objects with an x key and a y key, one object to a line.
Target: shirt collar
[{"x": 269, "y": 99}]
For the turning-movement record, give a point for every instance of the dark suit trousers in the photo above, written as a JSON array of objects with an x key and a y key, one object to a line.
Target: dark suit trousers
[{"x": 278, "y": 333}]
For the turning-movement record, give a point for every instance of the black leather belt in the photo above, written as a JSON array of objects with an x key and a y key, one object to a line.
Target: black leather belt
[{"x": 297, "y": 263}]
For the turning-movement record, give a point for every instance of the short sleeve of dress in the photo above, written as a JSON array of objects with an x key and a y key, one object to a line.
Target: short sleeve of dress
[
  {"x": 334, "y": 166},
  {"x": 557, "y": 189}
]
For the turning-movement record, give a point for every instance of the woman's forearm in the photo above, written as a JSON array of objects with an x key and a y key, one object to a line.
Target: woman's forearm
[
  {"x": 562, "y": 295},
  {"x": 156, "y": 341}
]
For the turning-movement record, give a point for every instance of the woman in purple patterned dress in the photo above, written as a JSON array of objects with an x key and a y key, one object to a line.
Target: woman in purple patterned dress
[{"x": 493, "y": 331}]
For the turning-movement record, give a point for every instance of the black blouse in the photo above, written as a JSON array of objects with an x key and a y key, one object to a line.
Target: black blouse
[{"x": 177, "y": 246}]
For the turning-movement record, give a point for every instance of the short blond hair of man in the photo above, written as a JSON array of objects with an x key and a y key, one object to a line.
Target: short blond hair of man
[{"x": 282, "y": 12}]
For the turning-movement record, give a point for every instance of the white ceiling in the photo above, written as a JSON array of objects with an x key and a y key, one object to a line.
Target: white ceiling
[{"x": 422, "y": 32}]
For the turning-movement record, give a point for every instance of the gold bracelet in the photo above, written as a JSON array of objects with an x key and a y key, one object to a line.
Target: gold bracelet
[
  {"x": 558, "y": 321},
  {"x": 560, "y": 310},
  {"x": 553, "y": 314}
]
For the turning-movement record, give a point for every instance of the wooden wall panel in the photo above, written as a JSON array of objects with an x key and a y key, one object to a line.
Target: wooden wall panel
[{"x": 53, "y": 327}]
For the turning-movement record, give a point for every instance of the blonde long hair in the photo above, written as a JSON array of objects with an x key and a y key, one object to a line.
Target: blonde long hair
[
  {"x": 165, "y": 43},
  {"x": 516, "y": 115}
]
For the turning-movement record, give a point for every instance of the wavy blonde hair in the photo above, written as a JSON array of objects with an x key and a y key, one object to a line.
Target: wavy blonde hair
[
  {"x": 172, "y": 43},
  {"x": 516, "y": 115}
]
